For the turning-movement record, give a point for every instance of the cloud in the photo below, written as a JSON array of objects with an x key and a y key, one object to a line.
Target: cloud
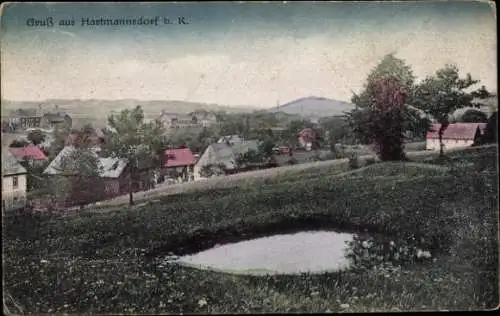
[{"x": 237, "y": 70}]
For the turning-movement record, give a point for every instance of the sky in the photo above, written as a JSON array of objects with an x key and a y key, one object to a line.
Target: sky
[{"x": 250, "y": 54}]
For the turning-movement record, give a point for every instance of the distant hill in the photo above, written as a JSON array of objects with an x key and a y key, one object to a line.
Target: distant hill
[{"x": 314, "y": 107}]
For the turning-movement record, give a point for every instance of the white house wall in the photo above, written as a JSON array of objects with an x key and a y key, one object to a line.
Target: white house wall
[
  {"x": 10, "y": 194},
  {"x": 433, "y": 144},
  {"x": 203, "y": 161}
]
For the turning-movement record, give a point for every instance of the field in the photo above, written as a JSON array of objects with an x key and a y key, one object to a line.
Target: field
[
  {"x": 304, "y": 170},
  {"x": 107, "y": 262}
]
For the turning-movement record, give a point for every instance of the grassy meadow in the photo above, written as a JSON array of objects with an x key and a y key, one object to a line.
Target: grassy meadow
[{"x": 108, "y": 262}]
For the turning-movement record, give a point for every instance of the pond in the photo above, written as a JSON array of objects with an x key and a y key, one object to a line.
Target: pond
[{"x": 303, "y": 252}]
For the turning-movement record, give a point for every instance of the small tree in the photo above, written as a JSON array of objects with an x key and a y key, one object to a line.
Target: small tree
[
  {"x": 61, "y": 133},
  {"x": 474, "y": 116},
  {"x": 140, "y": 143},
  {"x": 249, "y": 157},
  {"x": 210, "y": 170},
  {"x": 59, "y": 188},
  {"x": 266, "y": 148},
  {"x": 491, "y": 132},
  {"x": 36, "y": 137},
  {"x": 82, "y": 169},
  {"x": 443, "y": 94},
  {"x": 204, "y": 138}
]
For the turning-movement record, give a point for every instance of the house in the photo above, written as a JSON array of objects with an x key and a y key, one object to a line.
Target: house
[
  {"x": 204, "y": 118},
  {"x": 30, "y": 154},
  {"x": 14, "y": 183},
  {"x": 455, "y": 135},
  {"x": 199, "y": 118},
  {"x": 22, "y": 119},
  {"x": 180, "y": 161},
  {"x": 174, "y": 120},
  {"x": 56, "y": 118},
  {"x": 113, "y": 172},
  {"x": 223, "y": 154},
  {"x": 143, "y": 171}
]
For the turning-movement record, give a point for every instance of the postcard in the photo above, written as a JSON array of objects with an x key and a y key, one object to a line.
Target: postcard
[{"x": 249, "y": 157}]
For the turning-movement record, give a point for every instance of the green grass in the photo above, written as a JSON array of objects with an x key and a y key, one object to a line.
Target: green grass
[{"x": 106, "y": 263}]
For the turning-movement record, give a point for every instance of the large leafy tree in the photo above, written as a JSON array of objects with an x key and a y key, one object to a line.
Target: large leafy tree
[
  {"x": 445, "y": 92},
  {"x": 390, "y": 67},
  {"x": 141, "y": 143},
  {"x": 382, "y": 113}
]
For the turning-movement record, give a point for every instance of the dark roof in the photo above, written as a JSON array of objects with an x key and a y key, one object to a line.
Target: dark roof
[
  {"x": 56, "y": 117},
  {"x": 109, "y": 167},
  {"x": 10, "y": 165}
]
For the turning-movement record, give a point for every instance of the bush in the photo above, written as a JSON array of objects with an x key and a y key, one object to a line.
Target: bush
[
  {"x": 354, "y": 161},
  {"x": 370, "y": 161}
]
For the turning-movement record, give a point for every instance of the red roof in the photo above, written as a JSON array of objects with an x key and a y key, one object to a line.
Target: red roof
[
  {"x": 178, "y": 158},
  {"x": 28, "y": 152},
  {"x": 456, "y": 131}
]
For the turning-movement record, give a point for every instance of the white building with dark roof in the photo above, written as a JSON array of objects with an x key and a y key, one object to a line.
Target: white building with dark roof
[
  {"x": 113, "y": 173},
  {"x": 14, "y": 184}
]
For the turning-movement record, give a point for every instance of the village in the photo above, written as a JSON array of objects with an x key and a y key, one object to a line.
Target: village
[
  {"x": 279, "y": 157},
  {"x": 36, "y": 145}
]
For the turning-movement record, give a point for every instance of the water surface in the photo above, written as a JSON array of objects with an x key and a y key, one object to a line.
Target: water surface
[{"x": 309, "y": 251}]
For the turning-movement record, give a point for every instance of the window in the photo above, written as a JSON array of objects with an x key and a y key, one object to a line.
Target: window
[{"x": 15, "y": 182}]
